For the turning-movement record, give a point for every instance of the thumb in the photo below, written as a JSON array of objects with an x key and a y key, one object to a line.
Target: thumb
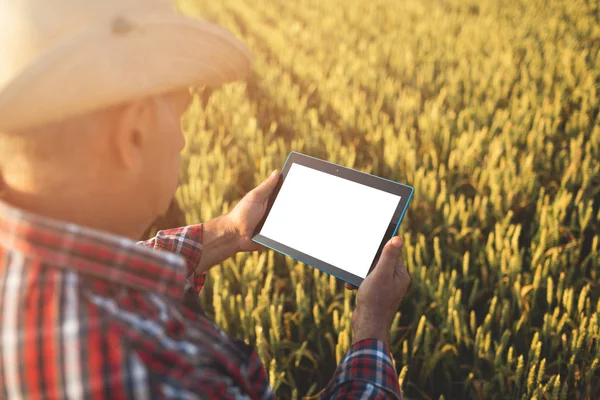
[
  {"x": 389, "y": 257},
  {"x": 263, "y": 190}
]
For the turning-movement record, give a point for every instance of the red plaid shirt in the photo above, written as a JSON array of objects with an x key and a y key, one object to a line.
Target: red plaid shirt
[{"x": 85, "y": 314}]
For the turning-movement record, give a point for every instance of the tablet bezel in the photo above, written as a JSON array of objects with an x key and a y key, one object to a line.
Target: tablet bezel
[{"x": 404, "y": 191}]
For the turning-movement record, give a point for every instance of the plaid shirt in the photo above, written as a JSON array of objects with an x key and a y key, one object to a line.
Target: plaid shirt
[{"x": 85, "y": 314}]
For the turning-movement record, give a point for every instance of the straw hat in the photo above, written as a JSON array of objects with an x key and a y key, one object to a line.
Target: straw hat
[{"x": 62, "y": 58}]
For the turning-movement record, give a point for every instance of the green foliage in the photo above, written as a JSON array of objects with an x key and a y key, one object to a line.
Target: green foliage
[{"x": 490, "y": 110}]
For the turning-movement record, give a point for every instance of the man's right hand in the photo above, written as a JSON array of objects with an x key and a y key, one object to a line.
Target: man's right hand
[{"x": 380, "y": 295}]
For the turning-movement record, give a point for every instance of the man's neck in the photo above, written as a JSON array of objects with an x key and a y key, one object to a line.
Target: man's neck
[{"x": 83, "y": 211}]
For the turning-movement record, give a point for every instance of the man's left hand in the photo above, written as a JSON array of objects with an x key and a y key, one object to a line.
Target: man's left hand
[{"x": 246, "y": 215}]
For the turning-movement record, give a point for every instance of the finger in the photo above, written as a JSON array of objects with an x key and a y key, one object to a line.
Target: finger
[
  {"x": 401, "y": 279},
  {"x": 263, "y": 190},
  {"x": 258, "y": 247},
  {"x": 389, "y": 257},
  {"x": 350, "y": 286},
  {"x": 401, "y": 272}
]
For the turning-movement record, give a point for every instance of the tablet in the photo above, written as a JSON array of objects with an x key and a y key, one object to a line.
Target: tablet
[{"x": 331, "y": 217}]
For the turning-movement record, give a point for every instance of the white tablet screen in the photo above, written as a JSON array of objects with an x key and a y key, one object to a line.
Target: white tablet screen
[{"x": 335, "y": 220}]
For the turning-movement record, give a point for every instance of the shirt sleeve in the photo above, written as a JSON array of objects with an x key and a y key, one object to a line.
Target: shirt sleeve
[
  {"x": 187, "y": 242},
  {"x": 366, "y": 372}
]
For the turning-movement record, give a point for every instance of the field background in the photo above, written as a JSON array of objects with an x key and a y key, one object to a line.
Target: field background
[{"x": 490, "y": 110}]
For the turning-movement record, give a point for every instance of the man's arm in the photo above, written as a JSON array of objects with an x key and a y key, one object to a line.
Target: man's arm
[
  {"x": 220, "y": 238},
  {"x": 367, "y": 368},
  {"x": 366, "y": 372},
  {"x": 202, "y": 246},
  {"x": 220, "y": 241}
]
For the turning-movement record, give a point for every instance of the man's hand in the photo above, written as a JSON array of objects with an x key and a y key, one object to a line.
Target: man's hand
[
  {"x": 229, "y": 234},
  {"x": 248, "y": 212},
  {"x": 380, "y": 295}
]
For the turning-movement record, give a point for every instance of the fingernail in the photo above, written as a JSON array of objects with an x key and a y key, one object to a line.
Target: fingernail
[
  {"x": 273, "y": 173},
  {"x": 397, "y": 242}
]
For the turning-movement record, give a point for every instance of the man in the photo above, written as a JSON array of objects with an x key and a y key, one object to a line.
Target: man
[{"x": 91, "y": 95}]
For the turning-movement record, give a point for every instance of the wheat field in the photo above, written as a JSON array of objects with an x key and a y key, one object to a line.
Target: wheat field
[{"x": 490, "y": 110}]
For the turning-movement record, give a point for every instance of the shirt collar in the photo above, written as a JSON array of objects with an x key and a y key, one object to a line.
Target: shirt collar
[{"x": 91, "y": 252}]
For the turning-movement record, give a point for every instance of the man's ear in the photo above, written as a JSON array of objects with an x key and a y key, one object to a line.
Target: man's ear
[{"x": 132, "y": 134}]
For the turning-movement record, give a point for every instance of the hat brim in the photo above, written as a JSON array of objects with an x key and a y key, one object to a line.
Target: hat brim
[{"x": 137, "y": 57}]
